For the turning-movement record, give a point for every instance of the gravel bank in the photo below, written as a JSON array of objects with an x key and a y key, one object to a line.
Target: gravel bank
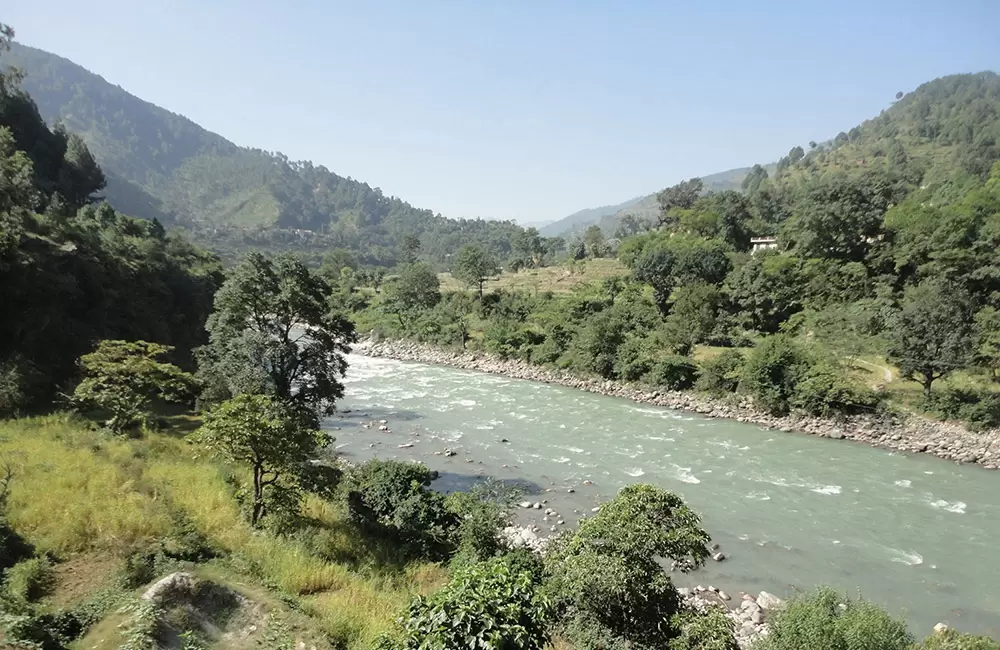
[{"x": 947, "y": 440}]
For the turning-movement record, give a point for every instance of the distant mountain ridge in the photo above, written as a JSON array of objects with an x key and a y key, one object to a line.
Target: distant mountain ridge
[
  {"x": 644, "y": 207},
  {"x": 165, "y": 166}
]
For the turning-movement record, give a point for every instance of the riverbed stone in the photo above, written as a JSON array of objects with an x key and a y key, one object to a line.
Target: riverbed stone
[{"x": 769, "y": 601}]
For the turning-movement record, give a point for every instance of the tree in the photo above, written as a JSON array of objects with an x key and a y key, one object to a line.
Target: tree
[
  {"x": 275, "y": 331},
  {"x": 655, "y": 266},
  {"x": 124, "y": 377},
  {"x": 494, "y": 605},
  {"x": 932, "y": 336},
  {"x": 753, "y": 179},
  {"x": 987, "y": 340},
  {"x": 276, "y": 440},
  {"x": 683, "y": 195},
  {"x": 474, "y": 266},
  {"x": 416, "y": 288},
  {"x": 608, "y": 573},
  {"x": 409, "y": 249},
  {"x": 593, "y": 239},
  {"x": 795, "y": 154},
  {"x": 528, "y": 245}
]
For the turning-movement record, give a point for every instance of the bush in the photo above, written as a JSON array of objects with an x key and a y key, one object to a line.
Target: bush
[
  {"x": 771, "y": 372},
  {"x": 632, "y": 359},
  {"x": 606, "y": 575},
  {"x": 491, "y": 606},
  {"x": 952, "y": 640},
  {"x": 818, "y": 622},
  {"x": 674, "y": 373},
  {"x": 29, "y": 580},
  {"x": 481, "y": 515},
  {"x": 824, "y": 389},
  {"x": 392, "y": 499},
  {"x": 721, "y": 374},
  {"x": 709, "y": 630},
  {"x": 979, "y": 409}
]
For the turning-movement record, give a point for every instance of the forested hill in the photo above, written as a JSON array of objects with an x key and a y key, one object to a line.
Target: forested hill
[
  {"x": 940, "y": 135},
  {"x": 162, "y": 165}
]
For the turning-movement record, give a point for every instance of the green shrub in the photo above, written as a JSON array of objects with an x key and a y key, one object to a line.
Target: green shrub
[
  {"x": 721, "y": 374},
  {"x": 29, "y": 580},
  {"x": 952, "y": 640},
  {"x": 491, "y": 606},
  {"x": 606, "y": 575},
  {"x": 771, "y": 372},
  {"x": 674, "y": 373},
  {"x": 480, "y": 514},
  {"x": 632, "y": 359},
  {"x": 817, "y": 621},
  {"x": 709, "y": 630},
  {"x": 824, "y": 388},
  {"x": 980, "y": 409},
  {"x": 391, "y": 499}
]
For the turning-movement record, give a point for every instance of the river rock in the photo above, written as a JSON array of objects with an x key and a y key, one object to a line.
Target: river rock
[
  {"x": 537, "y": 506},
  {"x": 525, "y": 504},
  {"x": 940, "y": 628},
  {"x": 769, "y": 601},
  {"x": 719, "y": 557}
]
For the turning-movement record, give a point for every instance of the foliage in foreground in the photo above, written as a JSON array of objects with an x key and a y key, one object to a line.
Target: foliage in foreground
[
  {"x": 123, "y": 378},
  {"x": 826, "y": 620},
  {"x": 494, "y": 605},
  {"x": 610, "y": 587}
]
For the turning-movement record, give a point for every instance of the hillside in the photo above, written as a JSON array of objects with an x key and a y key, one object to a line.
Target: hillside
[
  {"x": 942, "y": 135},
  {"x": 643, "y": 207},
  {"x": 581, "y": 219},
  {"x": 162, "y": 165}
]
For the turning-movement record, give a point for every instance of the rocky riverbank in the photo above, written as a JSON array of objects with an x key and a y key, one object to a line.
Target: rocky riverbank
[{"x": 912, "y": 434}]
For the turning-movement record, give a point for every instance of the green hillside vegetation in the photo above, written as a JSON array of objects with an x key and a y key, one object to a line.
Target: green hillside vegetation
[
  {"x": 230, "y": 198},
  {"x": 165, "y": 485},
  {"x": 882, "y": 291}
]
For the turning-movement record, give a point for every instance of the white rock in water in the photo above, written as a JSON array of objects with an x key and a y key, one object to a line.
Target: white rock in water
[
  {"x": 596, "y": 509},
  {"x": 940, "y": 628},
  {"x": 723, "y": 595},
  {"x": 405, "y": 445},
  {"x": 525, "y": 504},
  {"x": 719, "y": 557},
  {"x": 769, "y": 601},
  {"x": 537, "y": 506}
]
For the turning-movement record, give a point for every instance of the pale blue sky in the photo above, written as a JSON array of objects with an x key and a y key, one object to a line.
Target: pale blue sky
[{"x": 524, "y": 109}]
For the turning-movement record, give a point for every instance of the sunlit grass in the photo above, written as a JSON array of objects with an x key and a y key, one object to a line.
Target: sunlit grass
[
  {"x": 561, "y": 278},
  {"x": 79, "y": 490}
]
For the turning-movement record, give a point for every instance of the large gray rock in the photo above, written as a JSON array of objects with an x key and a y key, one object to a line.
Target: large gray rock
[
  {"x": 769, "y": 601},
  {"x": 171, "y": 587}
]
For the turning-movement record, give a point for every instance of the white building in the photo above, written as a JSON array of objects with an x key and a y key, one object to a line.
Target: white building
[{"x": 763, "y": 243}]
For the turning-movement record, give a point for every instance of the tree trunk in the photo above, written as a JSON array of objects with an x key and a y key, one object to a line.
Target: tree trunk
[
  {"x": 481, "y": 283},
  {"x": 258, "y": 495},
  {"x": 928, "y": 380}
]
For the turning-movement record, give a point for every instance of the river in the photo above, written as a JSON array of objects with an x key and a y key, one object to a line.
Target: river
[{"x": 918, "y": 535}]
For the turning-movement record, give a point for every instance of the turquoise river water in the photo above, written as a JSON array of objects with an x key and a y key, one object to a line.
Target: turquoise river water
[{"x": 919, "y": 535}]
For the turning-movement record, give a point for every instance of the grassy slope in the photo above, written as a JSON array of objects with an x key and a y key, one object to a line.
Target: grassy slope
[
  {"x": 562, "y": 278},
  {"x": 90, "y": 500}
]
